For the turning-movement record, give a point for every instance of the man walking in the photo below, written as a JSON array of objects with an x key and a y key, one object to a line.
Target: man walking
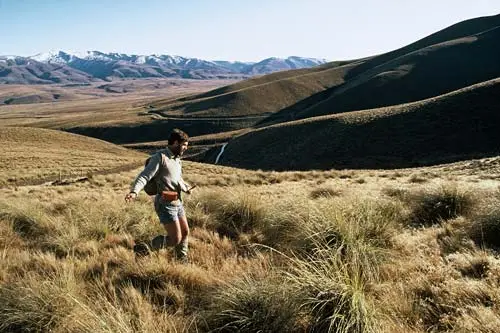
[{"x": 165, "y": 165}]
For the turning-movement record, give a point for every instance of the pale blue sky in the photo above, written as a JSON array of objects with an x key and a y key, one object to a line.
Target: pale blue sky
[{"x": 228, "y": 30}]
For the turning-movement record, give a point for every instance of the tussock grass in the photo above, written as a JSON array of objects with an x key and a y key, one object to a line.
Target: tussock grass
[
  {"x": 434, "y": 206},
  {"x": 439, "y": 304},
  {"x": 333, "y": 294},
  {"x": 480, "y": 228},
  {"x": 396, "y": 192},
  {"x": 27, "y": 222},
  {"x": 251, "y": 305},
  {"x": 473, "y": 265},
  {"x": 453, "y": 237},
  {"x": 130, "y": 312},
  {"x": 230, "y": 213},
  {"x": 417, "y": 179},
  {"x": 485, "y": 228},
  {"x": 68, "y": 229},
  {"x": 325, "y": 192},
  {"x": 263, "y": 257},
  {"x": 357, "y": 229},
  {"x": 37, "y": 302},
  {"x": 478, "y": 319}
]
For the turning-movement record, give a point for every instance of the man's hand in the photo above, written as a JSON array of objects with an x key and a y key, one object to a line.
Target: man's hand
[
  {"x": 190, "y": 190},
  {"x": 130, "y": 197}
]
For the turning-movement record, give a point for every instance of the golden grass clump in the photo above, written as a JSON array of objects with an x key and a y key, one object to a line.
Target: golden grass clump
[
  {"x": 38, "y": 301},
  {"x": 230, "y": 213},
  {"x": 359, "y": 230},
  {"x": 485, "y": 228},
  {"x": 251, "y": 305},
  {"x": 434, "y": 206},
  {"x": 332, "y": 294},
  {"x": 323, "y": 192}
]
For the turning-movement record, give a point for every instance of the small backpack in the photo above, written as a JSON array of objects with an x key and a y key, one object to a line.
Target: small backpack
[{"x": 151, "y": 187}]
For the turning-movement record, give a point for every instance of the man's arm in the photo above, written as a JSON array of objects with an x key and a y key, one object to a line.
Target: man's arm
[
  {"x": 149, "y": 172},
  {"x": 184, "y": 186}
]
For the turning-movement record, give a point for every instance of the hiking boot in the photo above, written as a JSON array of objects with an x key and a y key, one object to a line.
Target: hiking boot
[
  {"x": 159, "y": 242},
  {"x": 141, "y": 249},
  {"x": 182, "y": 259},
  {"x": 181, "y": 250}
]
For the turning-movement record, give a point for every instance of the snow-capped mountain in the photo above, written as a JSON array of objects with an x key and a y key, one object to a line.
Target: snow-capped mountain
[
  {"x": 96, "y": 65},
  {"x": 270, "y": 65},
  {"x": 19, "y": 70}
]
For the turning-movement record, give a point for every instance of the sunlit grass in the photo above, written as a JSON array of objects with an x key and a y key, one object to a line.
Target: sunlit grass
[{"x": 266, "y": 254}]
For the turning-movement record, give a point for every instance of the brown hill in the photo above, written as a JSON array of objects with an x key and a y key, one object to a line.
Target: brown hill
[
  {"x": 466, "y": 48},
  {"x": 425, "y": 73},
  {"x": 456, "y": 31},
  {"x": 257, "y": 96},
  {"x": 398, "y": 77},
  {"x": 462, "y": 124},
  {"x": 46, "y": 155}
]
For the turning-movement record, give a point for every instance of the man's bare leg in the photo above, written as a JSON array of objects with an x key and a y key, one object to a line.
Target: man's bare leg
[
  {"x": 178, "y": 232},
  {"x": 174, "y": 233},
  {"x": 181, "y": 249}
]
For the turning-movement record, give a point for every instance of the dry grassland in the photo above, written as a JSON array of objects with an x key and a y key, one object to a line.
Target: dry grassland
[
  {"x": 410, "y": 250},
  {"x": 32, "y": 155},
  {"x": 87, "y": 106}
]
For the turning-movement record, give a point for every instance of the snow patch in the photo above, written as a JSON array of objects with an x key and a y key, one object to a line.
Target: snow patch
[{"x": 141, "y": 59}]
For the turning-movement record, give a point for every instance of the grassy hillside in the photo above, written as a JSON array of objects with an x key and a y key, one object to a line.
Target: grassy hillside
[
  {"x": 32, "y": 155},
  {"x": 258, "y": 96},
  {"x": 373, "y": 79},
  {"x": 455, "y": 57},
  {"x": 322, "y": 251},
  {"x": 421, "y": 74},
  {"x": 254, "y": 81},
  {"x": 450, "y": 127},
  {"x": 236, "y": 110},
  {"x": 456, "y": 31}
]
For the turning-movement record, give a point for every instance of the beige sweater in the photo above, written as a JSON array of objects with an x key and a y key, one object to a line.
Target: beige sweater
[{"x": 168, "y": 169}]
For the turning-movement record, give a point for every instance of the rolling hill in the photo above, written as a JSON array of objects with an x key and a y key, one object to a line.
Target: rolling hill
[
  {"x": 231, "y": 109},
  {"x": 456, "y": 31},
  {"x": 260, "y": 96},
  {"x": 459, "y": 125},
  {"x": 463, "y": 54},
  {"x": 458, "y": 63},
  {"x": 427, "y": 72},
  {"x": 48, "y": 155}
]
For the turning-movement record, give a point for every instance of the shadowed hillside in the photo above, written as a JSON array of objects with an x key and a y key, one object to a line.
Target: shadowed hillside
[
  {"x": 427, "y": 72},
  {"x": 448, "y": 128},
  {"x": 456, "y": 31},
  {"x": 362, "y": 84}
]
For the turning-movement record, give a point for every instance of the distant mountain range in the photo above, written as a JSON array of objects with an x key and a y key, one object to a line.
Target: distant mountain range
[{"x": 84, "y": 68}]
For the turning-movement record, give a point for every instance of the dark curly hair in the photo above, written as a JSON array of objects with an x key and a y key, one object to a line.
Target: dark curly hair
[{"x": 177, "y": 135}]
